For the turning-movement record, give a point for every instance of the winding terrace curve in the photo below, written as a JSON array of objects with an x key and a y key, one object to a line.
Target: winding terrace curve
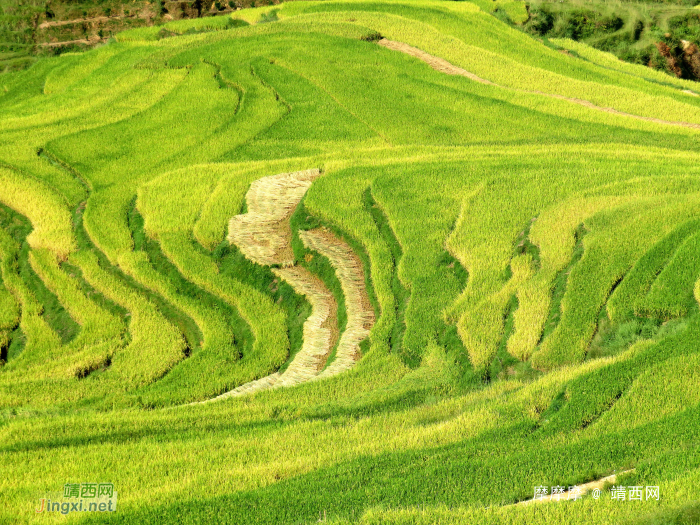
[{"x": 264, "y": 236}]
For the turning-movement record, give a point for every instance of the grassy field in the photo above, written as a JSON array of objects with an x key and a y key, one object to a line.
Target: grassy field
[{"x": 529, "y": 246}]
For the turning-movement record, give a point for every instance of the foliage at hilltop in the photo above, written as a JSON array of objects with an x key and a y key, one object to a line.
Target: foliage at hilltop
[{"x": 661, "y": 35}]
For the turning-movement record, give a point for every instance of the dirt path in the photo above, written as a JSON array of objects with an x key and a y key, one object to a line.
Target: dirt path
[
  {"x": 46, "y": 25},
  {"x": 87, "y": 41},
  {"x": 360, "y": 314},
  {"x": 436, "y": 63},
  {"x": 584, "y": 489},
  {"x": 443, "y": 66},
  {"x": 263, "y": 234}
]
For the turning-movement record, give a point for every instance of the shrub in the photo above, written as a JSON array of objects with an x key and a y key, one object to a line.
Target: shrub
[
  {"x": 270, "y": 16},
  {"x": 541, "y": 20}
]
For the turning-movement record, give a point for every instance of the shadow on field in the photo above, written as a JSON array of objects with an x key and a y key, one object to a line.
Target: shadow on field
[
  {"x": 499, "y": 467},
  {"x": 176, "y": 429}
]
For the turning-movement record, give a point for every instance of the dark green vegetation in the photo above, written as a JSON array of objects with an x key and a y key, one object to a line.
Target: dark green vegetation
[
  {"x": 35, "y": 28},
  {"x": 661, "y": 35},
  {"x": 531, "y": 259},
  {"x": 18, "y": 227}
]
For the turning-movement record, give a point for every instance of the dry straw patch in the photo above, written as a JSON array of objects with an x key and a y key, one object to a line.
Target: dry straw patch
[
  {"x": 264, "y": 383},
  {"x": 320, "y": 329},
  {"x": 360, "y": 315},
  {"x": 263, "y": 234}
]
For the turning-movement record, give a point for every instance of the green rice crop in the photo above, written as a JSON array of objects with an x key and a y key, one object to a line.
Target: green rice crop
[
  {"x": 155, "y": 345},
  {"x": 640, "y": 278},
  {"x": 523, "y": 253},
  {"x": 671, "y": 293}
]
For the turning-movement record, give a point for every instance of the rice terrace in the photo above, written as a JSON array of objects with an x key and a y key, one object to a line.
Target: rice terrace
[{"x": 350, "y": 262}]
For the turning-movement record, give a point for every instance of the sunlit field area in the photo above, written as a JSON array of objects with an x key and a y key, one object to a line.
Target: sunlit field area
[{"x": 375, "y": 262}]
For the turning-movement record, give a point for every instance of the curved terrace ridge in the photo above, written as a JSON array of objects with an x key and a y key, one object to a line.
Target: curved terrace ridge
[
  {"x": 264, "y": 235},
  {"x": 442, "y": 65}
]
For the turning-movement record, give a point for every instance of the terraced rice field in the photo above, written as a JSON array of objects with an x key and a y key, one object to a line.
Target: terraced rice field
[{"x": 362, "y": 262}]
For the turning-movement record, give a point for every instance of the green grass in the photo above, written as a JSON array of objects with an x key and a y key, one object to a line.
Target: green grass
[{"x": 531, "y": 263}]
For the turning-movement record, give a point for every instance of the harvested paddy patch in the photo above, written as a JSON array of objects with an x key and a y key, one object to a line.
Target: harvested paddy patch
[
  {"x": 360, "y": 314},
  {"x": 320, "y": 329},
  {"x": 263, "y": 234},
  {"x": 264, "y": 383}
]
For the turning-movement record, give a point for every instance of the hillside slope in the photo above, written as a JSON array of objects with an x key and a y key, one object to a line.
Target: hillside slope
[{"x": 493, "y": 245}]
